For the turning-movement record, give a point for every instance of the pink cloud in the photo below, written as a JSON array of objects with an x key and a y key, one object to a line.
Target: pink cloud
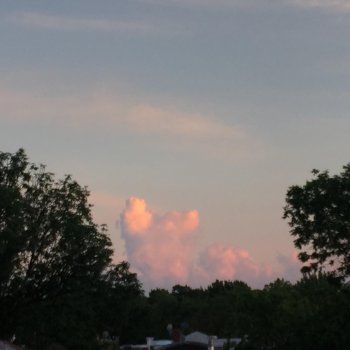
[
  {"x": 224, "y": 262},
  {"x": 136, "y": 218},
  {"x": 159, "y": 247}
]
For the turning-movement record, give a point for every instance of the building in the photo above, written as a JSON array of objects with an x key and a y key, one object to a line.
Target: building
[{"x": 217, "y": 343}]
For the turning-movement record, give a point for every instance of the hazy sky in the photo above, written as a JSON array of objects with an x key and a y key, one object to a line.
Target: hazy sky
[{"x": 187, "y": 119}]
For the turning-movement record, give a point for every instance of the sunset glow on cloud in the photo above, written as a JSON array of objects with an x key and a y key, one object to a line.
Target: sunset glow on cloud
[
  {"x": 161, "y": 249},
  {"x": 153, "y": 119},
  {"x": 108, "y": 108},
  {"x": 208, "y": 109},
  {"x": 224, "y": 262},
  {"x": 136, "y": 218}
]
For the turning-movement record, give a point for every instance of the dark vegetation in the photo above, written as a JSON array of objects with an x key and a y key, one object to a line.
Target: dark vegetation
[{"x": 59, "y": 286}]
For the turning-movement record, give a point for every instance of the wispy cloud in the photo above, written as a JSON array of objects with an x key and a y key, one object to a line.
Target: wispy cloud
[
  {"x": 111, "y": 110},
  {"x": 338, "y": 5},
  {"x": 65, "y": 23},
  {"x": 203, "y": 3},
  {"x": 334, "y": 5},
  {"x": 151, "y": 119}
]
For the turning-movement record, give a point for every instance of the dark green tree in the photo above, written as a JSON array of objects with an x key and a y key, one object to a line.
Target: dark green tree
[
  {"x": 120, "y": 292},
  {"x": 120, "y": 279},
  {"x": 322, "y": 313},
  {"x": 164, "y": 310},
  {"x": 319, "y": 216},
  {"x": 230, "y": 306},
  {"x": 51, "y": 252}
]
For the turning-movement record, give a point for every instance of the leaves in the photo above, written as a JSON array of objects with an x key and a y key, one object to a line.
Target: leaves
[
  {"x": 50, "y": 248},
  {"x": 319, "y": 216}
]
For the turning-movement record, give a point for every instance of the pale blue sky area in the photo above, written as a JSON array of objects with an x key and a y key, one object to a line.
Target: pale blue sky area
[{"x": 214, "y": 105}]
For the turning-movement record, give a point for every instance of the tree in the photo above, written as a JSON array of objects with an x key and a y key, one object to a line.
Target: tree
[
  {"x": 120, "y": 291},
  {"x": 119, "y": 278},
  {"x": 319, "y": 217},
  {"x": 50, "y": 249}
]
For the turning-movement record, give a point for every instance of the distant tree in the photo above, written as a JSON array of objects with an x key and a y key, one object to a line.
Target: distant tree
[
  {"x": 229, "y": 306},
  {"x": 181, "y": 291},
  {"x": 226, "y": 286},
  {"x": 119, "y": 278},
  {"x": 164, "y": 310},
  {"x": 120, "y": 292},
  {"x": 322, "y": 314},
  {"x": 319, "y": 216},
  {"x": 51, "y": 252}
]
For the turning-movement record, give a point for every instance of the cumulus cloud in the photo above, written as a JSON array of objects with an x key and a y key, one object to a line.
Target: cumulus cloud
[
  {"x": 159, "y": 247},
  {"x": 224, "y": 262}
]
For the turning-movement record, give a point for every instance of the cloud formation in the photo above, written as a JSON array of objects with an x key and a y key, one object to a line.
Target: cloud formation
[
  {"x": 161, "y": 248},
  {"x": 224, "y": 262},
  {"x": 151, "y": 119},
  {"x": 110, "y": 109},
  {"x": 55, "y": 22},
  {"x": 339, "y": 5},
  {"x": 335, "y": 5}
]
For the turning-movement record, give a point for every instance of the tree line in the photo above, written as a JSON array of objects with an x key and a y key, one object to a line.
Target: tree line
[{"x": 58, "y": 284}]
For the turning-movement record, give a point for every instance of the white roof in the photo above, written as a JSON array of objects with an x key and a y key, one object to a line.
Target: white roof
[
  {"x": 203, "y": 338},
  {"x": 197, "y": 337},
  {"x": 161, "y": 342}
]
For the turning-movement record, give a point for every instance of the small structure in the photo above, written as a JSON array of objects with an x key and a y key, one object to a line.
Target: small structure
[
  {"x": 151, "y": 344},
  {"x": 193, "y": 341},
  {"x": 160, "y": 343},
  {"x": 186, "y": 346},
  {"x": 213, "y": 341}
]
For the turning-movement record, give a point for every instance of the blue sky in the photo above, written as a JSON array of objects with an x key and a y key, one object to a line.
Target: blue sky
[{"x": 214, "y": 106}]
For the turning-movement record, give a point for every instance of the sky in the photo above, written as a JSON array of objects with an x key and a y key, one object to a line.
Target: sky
[{"x": 187, "y": 119}]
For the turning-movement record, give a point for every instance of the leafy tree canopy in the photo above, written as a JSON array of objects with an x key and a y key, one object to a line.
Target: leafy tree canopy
[
  {"x": 319, "y": 216},
  {"x": 49, "y": 244}
]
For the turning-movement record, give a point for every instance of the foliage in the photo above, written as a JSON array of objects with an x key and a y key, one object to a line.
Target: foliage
[
  {"x": 319, "y": 216},
  {"x": 51, "y": 252},
  {"x": 58, "y": 285},
  {"x": 311, "y": 314},
  {"x": 119, "y": 292}
]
